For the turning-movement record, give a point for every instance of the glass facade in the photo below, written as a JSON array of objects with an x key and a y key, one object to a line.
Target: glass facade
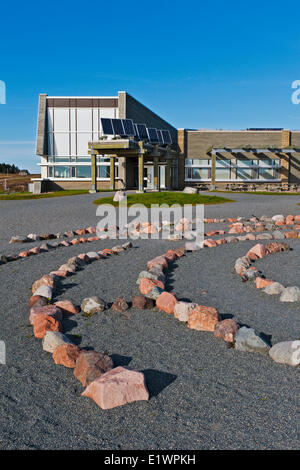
[
  {"x": 234, "y": 169},
  {"x": 79, "y": 167}
]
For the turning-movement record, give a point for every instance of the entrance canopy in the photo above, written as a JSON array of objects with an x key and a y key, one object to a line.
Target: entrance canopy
[{"x": 128, "y": 148}]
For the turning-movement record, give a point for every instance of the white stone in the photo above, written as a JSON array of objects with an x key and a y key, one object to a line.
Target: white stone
[
  {"x": 290, "y": 294},
  {"x": 278, "y": 218},
  {"x": 119, "y": 196},
  {"x": 274, "y": 288},
  {"x": 190, "y": 190},
  {"x": 92, "y": 305},
  {"x": 287, "y": 352},
  {"x": 183, "y": 309},
  {"x": 44, "y": 291},
  {"x": 53, "y": 339}
]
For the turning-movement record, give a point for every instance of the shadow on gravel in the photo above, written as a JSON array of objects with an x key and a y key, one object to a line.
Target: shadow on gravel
[
  {"x": 156, "y": 381},
  {"x": 119, "y": 360},
  {"x": 62, "y": 288},
  {"x": 68, "y": 324}
]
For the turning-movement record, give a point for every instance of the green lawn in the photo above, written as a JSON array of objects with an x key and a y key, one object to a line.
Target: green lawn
[
  {"x": 27, "y": 195},
  {"x": 170, "y": 198},
  {"x": 262, "y": 193}
]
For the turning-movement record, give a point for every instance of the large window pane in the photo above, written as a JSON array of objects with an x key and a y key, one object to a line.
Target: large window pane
[
  {"x": 223, "y": 162},
  {"x": 84, "y": 159},
  {"x": 266, "y": 174},
  {"x": 84, "y": 172},
  {"x": 50, "y": 171},
  {"x": 222, "y": 173},
  {"x": 200, "y": 173},
  {"x": 244, "y": 173},
  {"x": 244, "y": 162},
  {"x": 62, "y": 159},
  {"x": 104, "y": 171},
  {"x": 62, "y": 172}
]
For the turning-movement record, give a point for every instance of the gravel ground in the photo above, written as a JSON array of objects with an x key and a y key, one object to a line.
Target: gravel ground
[{"x": 202, "y": 395}]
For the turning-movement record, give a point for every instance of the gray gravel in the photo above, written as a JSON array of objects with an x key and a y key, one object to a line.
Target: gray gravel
[{"x": 203, "y": 395}]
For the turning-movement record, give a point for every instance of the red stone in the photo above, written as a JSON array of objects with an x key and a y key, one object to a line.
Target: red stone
[
  {"x": 43, "y": 323},
  {"x": 166, "y": 302},
  {"x": 60, "y": 273},
  {"x": 75, "y": 241},
  {"x": 291, "y": 234},
  {"x": 221, "y": 241},
  {"x": 203, "y": 318},
  {"x": 146, "y": 285},
  {"x": 90, "y": 365},
  {"x": 226, "y": 329},
  {"x": 66, "y": 355},
  {"x": 80, "y": 231},
  {"x": 37, "y": 298},
  {"x": 46, "y": 280}
]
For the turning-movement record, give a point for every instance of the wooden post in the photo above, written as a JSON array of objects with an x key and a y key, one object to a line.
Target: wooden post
[
  {"x": 93, "y": 173},
  {"x": 155, "y": 175},
  {"x": 141, "y": 172},
  {"x": 285, "y": 167},
  {"x": 213, "y": 171},
  {"x": 112, "y": 173},
  {"x": 168, "y": 174}
]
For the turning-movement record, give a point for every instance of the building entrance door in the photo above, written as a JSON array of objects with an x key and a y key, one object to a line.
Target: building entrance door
[{"x": 148, "y": 176}]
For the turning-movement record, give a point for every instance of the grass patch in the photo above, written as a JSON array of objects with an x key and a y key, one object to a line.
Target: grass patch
[
  {"x": 28, "y": 195},
  {"x": 261, "y": 193},
  {"x": 170, "y": 198}
]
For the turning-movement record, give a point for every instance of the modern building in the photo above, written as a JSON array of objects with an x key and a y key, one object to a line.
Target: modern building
[{"x": 75, "y": 154}]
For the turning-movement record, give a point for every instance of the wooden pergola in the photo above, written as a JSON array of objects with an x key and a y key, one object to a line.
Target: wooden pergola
[
  {"x": 128, "y": 148},
  {"x": 283, "y": 153}
]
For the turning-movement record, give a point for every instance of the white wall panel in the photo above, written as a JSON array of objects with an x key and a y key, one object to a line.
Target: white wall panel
[
  {"x": 61, "y": 119},
  {"x": 84, "y": 120},
  {"x": 72, "y": 119},
  {"x": 73, "y": 144},
  {"x": 82, "y": 143},
  {"x": 107, "y": 113},
  {"x": 95, "y": 120},
  {"x": 50, "y": 119},
  {"x": 61, "y": 144}
]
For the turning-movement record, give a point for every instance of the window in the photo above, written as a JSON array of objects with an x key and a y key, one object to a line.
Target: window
[
  {"x": 62, "y": 172},
  {"x": 84, "y": 171}
]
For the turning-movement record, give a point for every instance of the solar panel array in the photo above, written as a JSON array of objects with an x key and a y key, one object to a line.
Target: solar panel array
[{"x": 126, "y": 128}]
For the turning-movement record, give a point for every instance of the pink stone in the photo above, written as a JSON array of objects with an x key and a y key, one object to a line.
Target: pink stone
[
  {"x": 35, "y": 250},
  {"x": 117, "y": 387},
  {"x": 166, "y": 302},
  {"x": 221, "y": 241},
  {"x": 64, "y": 243},
  {"x": 237, "y": 228},
  {"x": 75, "y": 241},
  {"x": 146, "y": 285},
  {"x": 297, "y": 218},
  {"x": 209, "y": 243},
  {"x": 261, "y": 282},
  {"x": 91, "y": 229},
  {"x": 43, "y": 323},
  {"x": 83, "y": 240},
  {"x": 158, "y": 260},
  {"x": 80, "y": 231},
  {"x": 84, "y": 257},
  {"x": 67, "y": 307},
  {"x": 24, "y": 254},
  {"x": 291, "y": 234},
  {"x": 52, "y": 310},
  {"x": 60, "y": 273},
  {"x": 259, "y": 250}
]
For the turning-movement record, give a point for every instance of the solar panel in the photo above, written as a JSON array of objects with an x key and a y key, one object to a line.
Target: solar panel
[
  {"x": 153, "y": 137},
  {"x": 166, "y": 137},
  {"x": 107, "y": 126},
  {"x": 142, "y": 131},
  {"x": 160, "y": 139},
  {"x": 118, "y": 127},
  {"x": 128, "y": 127}
]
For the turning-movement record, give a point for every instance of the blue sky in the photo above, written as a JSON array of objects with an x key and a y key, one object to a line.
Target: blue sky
[{"x": 224, "y": 65}]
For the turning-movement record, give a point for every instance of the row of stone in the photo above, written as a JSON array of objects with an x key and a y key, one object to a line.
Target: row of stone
[
  {"x": 45, "y": 247},
  {"x": 107, "y": 386},
  {"x": 204, "y": 318},
  {"x": 278, "y": 219},
  {"x": 243, "y": 267}
]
